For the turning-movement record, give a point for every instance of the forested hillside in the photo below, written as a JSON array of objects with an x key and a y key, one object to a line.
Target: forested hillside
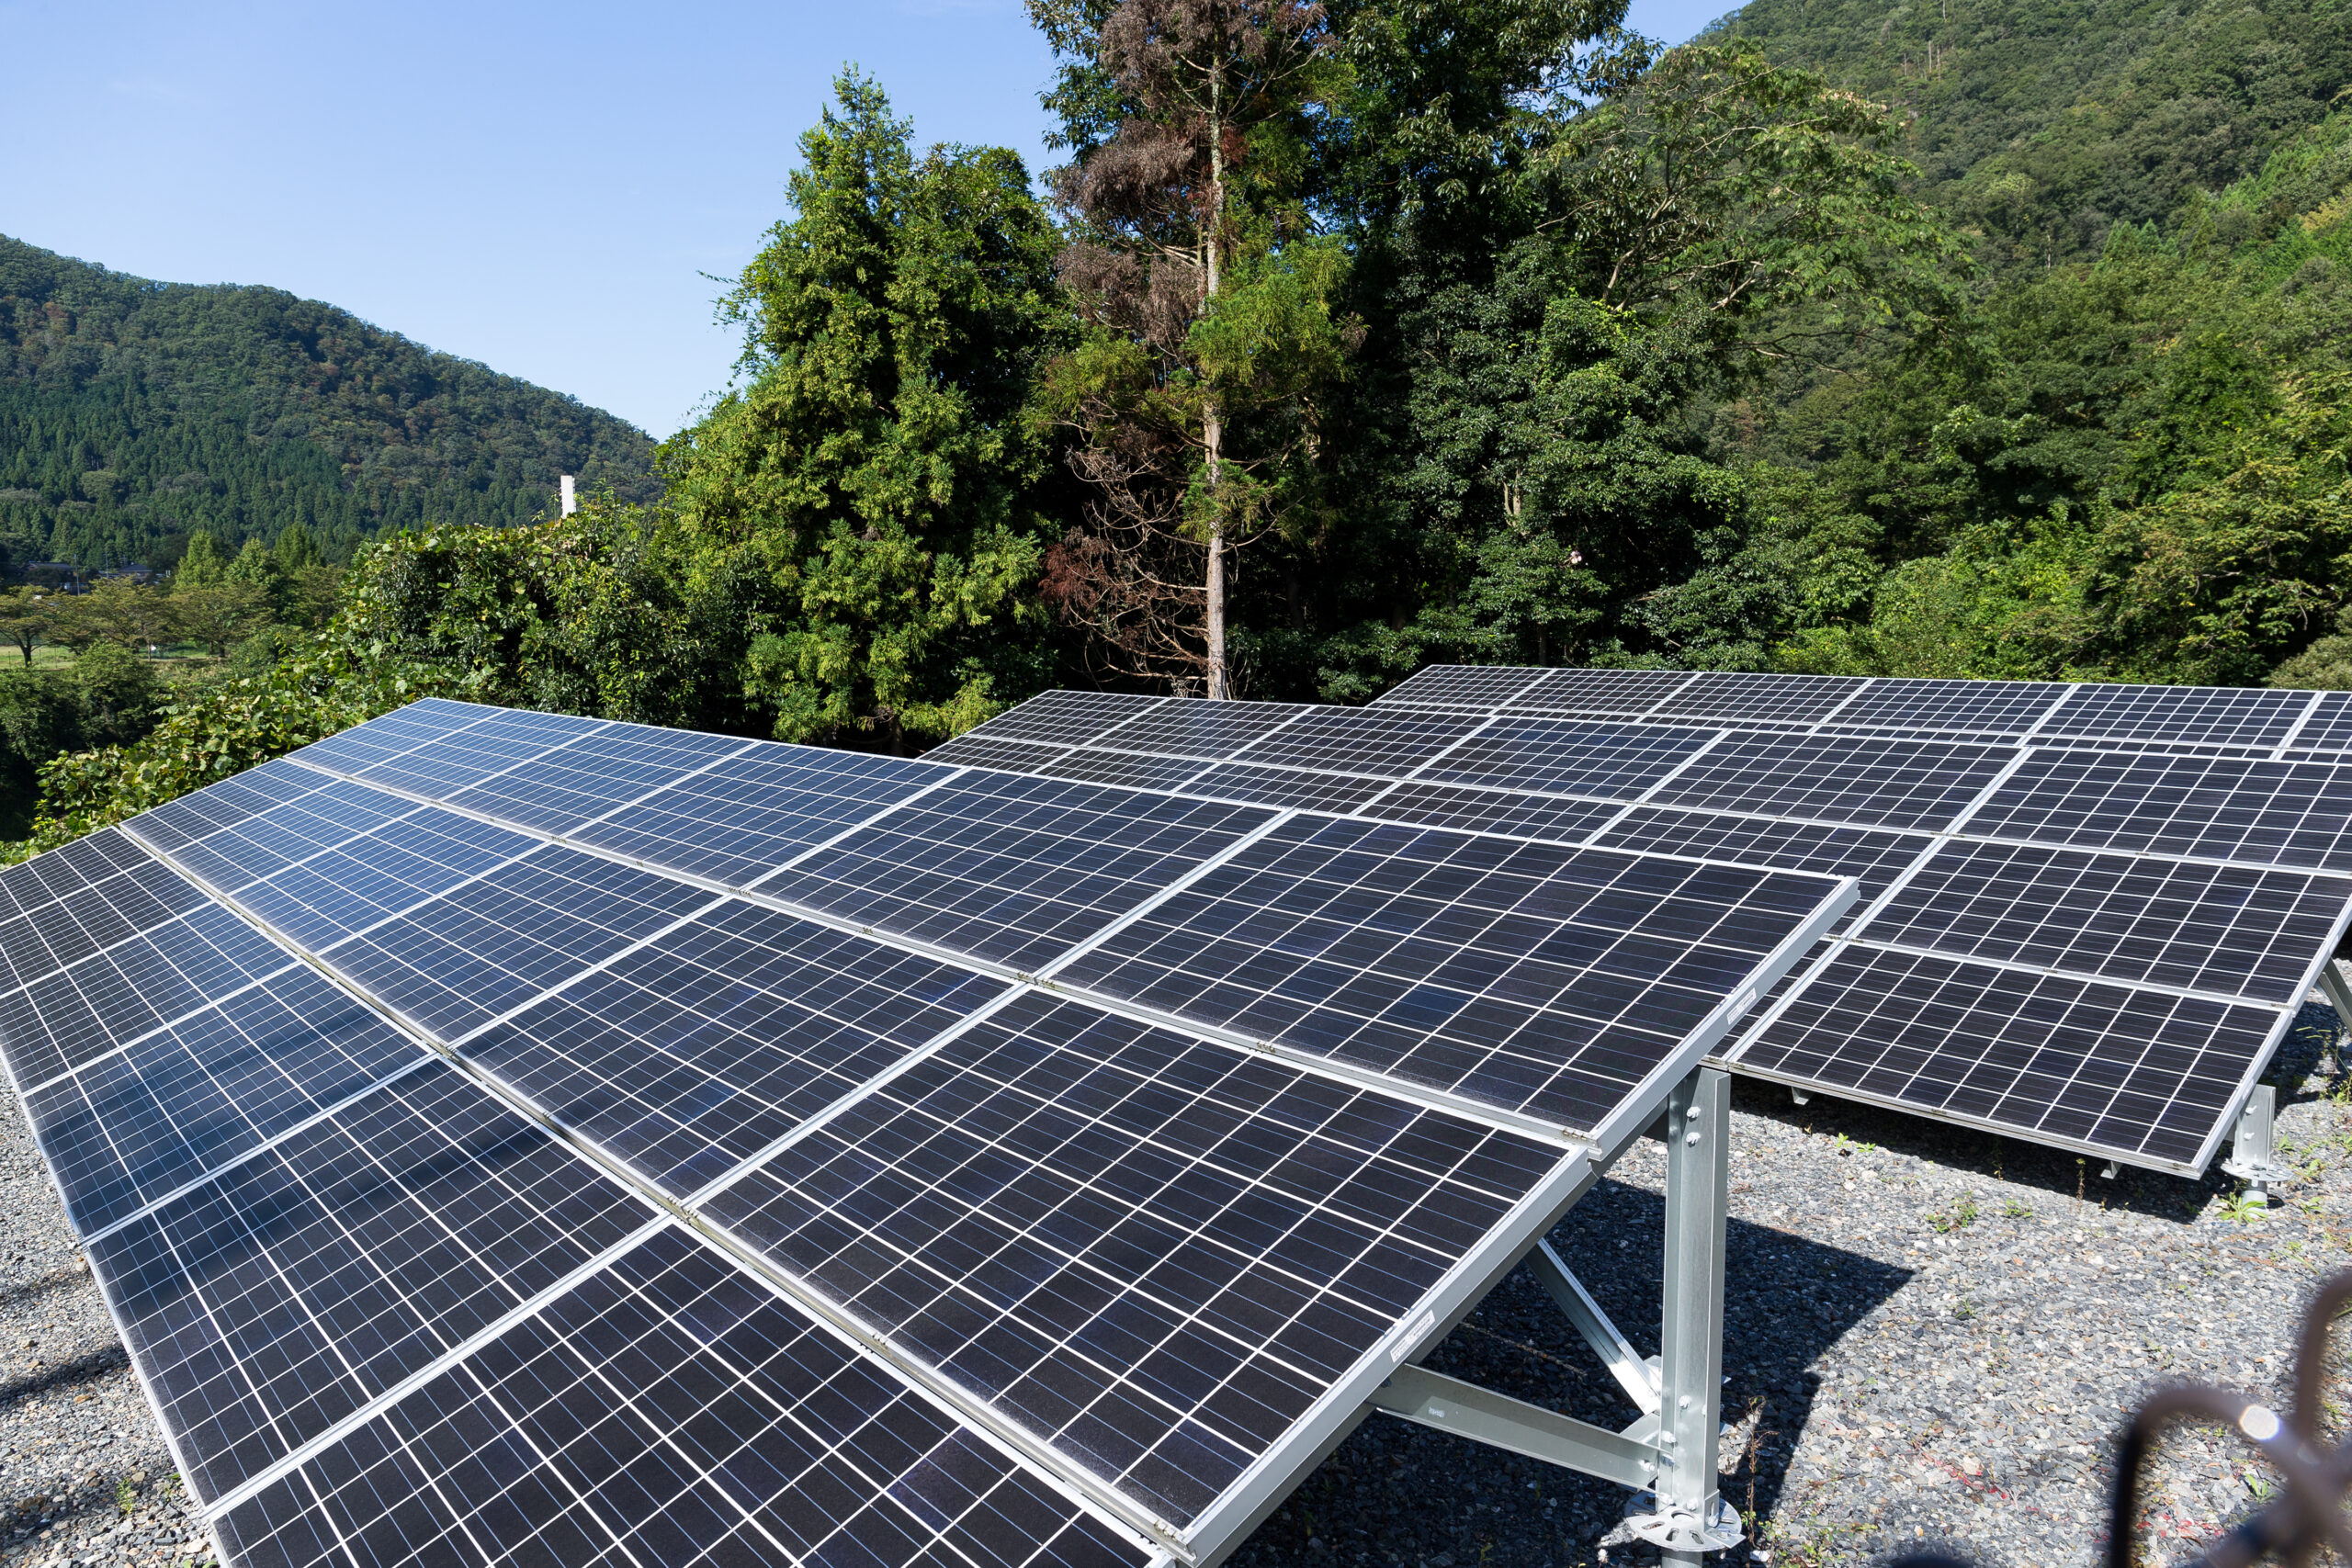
[
  {"x": 2040, "y": 124},
  {"x": 133, "y": 413}
]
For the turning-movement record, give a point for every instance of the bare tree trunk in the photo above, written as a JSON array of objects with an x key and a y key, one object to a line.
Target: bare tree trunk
[{"x": 1212, "y": 417}]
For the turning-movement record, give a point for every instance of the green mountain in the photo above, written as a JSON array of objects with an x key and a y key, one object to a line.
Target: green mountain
[
  {"x": 132, "y": 412},
  {"x": 2042, "y": 124}
]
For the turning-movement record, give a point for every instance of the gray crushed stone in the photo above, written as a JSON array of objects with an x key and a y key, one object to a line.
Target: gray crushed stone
[{"x": 1932, "y": 1339}]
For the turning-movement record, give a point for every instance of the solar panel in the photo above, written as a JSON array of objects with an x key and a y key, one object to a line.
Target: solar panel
[
  {"x": 1516, "y": 813},
  {"x": 666, "y": 1409},
  {"x": 1626, "y": 692},
  {"x": 1352, "y": 740},
  {"x": 1470, "y": 686},
  {"x": 2253, "y": 812},
  {"x": 1983, "y": 707},
  {"x": 1866, "y": 781},
  {"x": 1124, "y": 768},
  {"x": 1063, "y": 718},
  {"x": 1302, "y": 788},
  {"x": 2231, "y": 931},
  {"x": 1012, "y": 870},
  {"x": 2202, "y": 829},
  {"x": 1205, "y": 730},
  {"x": 2172, "y": 714},
  {"x": 1157, "y": 1252},
  {"x": 695, "y": 1054},
  {"x": 384, "y": 1228},
  {"x": 1568, "y": 757},
  {"x": 298, "y": 1285},
  {"x": 1533, "y": 977},
  {"x": 2065, "y": 1060}
]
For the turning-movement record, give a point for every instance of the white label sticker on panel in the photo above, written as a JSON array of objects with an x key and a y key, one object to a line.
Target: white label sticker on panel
[{"x": 1411, "y": 1337}]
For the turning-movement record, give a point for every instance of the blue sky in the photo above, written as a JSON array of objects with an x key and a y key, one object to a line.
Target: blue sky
[{"x": 538, "y": 187}]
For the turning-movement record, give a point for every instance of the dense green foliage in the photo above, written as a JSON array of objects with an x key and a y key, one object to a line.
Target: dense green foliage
[
  {"x": 133, "y": 413},
  {"x": 1491, "y": 332},
  {"x": 2039, "y": 124}
]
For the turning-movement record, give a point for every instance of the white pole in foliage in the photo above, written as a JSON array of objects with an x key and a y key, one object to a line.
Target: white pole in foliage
[{"x": 570, "y": 504}]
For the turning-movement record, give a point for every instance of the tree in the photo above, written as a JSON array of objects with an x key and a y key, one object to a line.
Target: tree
[
  {"x": 200, "y": 565},
  {"x": 25, "y": 619},
  {"x": 876, "y": 475},
  {"x": 219, "y": 614},
  {"x": 115, "y": 610},
  {"x": 256, "y": 568},
  {"x": 1212, "y": 335},
  {"x": 295, "y": 549}
]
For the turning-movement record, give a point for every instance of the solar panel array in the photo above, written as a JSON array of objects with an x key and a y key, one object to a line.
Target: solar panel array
[
  {"x": 501, "y": 1135},
  {"x": 2088, "y": 912}
]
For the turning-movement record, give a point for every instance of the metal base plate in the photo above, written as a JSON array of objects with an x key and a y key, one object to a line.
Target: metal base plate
[
  {"x": 2262, "y": 1173},
  {"x": 1679, "y": 1529}
]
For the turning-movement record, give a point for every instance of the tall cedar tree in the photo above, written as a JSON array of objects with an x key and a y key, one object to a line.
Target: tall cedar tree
[
  {"x": 877, "y": 471},
  {"x": 1210, "y": 329}
]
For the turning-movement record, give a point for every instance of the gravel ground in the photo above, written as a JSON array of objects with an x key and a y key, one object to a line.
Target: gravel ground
[{"x": 1931, "y": 1338}]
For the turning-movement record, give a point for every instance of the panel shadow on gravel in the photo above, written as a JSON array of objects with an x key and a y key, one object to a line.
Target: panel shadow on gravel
[{"x": 1396, "y": 1494}]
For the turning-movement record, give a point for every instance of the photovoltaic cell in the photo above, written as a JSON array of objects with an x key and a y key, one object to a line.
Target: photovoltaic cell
[
  {"x": 1064, "y": 719},
  {"x": 2329, "y": 728},
  {"x": 243, "y": 852},
  {"x": 695, "y": 1053},
  {"x": 1196, "y": 729},
  {"x": 1869, "y": 783},
  {"x": 591, "y": 776},
  {"x": 1298, "y": 788},
  {"x": 224, "y": 805},
  {"x": 1740, "y": 699},
  {"x": 1874, "y": 857},
  {"x": 2260, "y": 813},
  {"x": 1012, "y": 870},
  {"x": 130, "y": 1128},
  {"x": 267, "y": 1304},
  {"x": 1493, "y": 812},
  {"x": 1126, "y": 769},
  {"x": 745, "y": 817},
  {"x": 1528, "y": 975},
  {"x": 370, "y": 879},
  {"x": 2061, "y": 1059},
  {"x": 111, "y": 998},
  {"x": 1984, "y": 707},
  {"x": 2192, "y": 714},
  {"x": 985, "y": 751},
  {"x": 667, "y": 1411},
  {"x": 1463, "y": 686},
  {"x": 1567, "y": 756},
  {"x": 55, "y": 932},
  {"x": 2234, "y": 930},
  {"x": 1156, "y": 1252},
  {"x": 492, "y": 944},
  {"x": 1624, "y": 692},
  {"x": 380, "y": 740},
  {"x": 1382, "y": 742}
]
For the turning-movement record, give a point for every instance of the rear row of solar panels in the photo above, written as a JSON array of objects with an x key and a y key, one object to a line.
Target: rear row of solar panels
[
  {"x": 501, "y": 1135},
  {"x": 2087, "y": 912}
]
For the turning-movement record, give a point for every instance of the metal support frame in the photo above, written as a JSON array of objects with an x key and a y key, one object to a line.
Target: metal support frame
[
  {"x": 2253, "y": 1156},
  {"x": 1668, "y": 1456},
  {"x": 2338, "y": 992}
]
